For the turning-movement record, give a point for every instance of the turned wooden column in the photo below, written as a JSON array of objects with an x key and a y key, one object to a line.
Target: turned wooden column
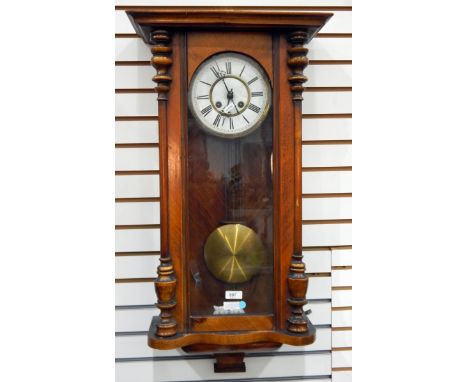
[
  {"x": 165, "y": 283},
  {"x": 297, "y": 279}
]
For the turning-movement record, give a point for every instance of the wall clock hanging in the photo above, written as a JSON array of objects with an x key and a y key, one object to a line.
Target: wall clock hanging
[{"x": 229, "y": 81}]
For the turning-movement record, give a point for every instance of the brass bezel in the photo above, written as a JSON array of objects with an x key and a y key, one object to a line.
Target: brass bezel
[{"x": 268, "y": 96}]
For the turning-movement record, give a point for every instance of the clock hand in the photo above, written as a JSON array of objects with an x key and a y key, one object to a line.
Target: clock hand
[
  {"x": 225, "y": 84},
  {"x": 229, "y": 93},
  {"x": 235, "y": 107},
  {"x": 230, "y": 96}
]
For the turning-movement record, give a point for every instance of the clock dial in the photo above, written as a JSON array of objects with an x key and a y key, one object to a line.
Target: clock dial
[{"x": 230, "y": 95}]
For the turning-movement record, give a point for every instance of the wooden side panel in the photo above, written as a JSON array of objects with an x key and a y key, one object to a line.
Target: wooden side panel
[
  {"x": 175, "y": 168},
  {"x": 284, "y": 177}
]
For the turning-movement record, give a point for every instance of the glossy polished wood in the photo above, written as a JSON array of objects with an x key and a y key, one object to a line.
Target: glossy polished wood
[
  {"x": 297, "y": 279},
  {"x": 241, "y": 340},
  {"x": 232, "y": 322},
  {"x": 229, "y": 363},
  {"x": 172, "y": 126},
  {"x": 274, "y": 38},
  {"x": 165, "y": 283},
  {"x": 226, "y": 18}
]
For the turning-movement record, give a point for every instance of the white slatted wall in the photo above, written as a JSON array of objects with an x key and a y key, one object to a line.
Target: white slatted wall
[{"x": 326, "y": 214}]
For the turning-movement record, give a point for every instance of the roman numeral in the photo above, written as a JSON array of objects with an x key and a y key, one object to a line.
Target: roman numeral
[
  {"x": 254, "y": 108},
  {"x": 206, "y": 83},
  {"x": 252, "y": 80},
  {"x": 217, "y": 120},
  {"x": 228, "y": 67},
  {"x": 245, "y": 118},
  {"x": 204, "y": 96},
  {"x": 206, "y": 110},
  {"x": 215, "y": 72},
  {"x": 257, "y": 94},
  {"x": 242, "y": 71},
  {"x": 231, "y": 124}
]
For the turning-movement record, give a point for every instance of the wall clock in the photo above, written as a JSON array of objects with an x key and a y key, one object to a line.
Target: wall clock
[{"x": 229, "y": 80}]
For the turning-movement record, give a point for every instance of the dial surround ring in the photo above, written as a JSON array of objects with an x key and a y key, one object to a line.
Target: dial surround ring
[
  {"x": 202, "y": 106},
  {"x": 213, "y": 103}
]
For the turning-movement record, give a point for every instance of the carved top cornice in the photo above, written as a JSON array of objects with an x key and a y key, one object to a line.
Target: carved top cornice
[{"x": 146, "y": 19}]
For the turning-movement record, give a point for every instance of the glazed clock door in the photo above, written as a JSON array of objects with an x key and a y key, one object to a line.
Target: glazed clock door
[{"x": 229, "y": 193}]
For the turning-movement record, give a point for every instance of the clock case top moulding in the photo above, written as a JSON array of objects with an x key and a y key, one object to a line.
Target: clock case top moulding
[{"x": 163, "y": 28}]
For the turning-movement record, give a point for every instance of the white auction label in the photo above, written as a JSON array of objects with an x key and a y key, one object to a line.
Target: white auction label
[
  {"x": 233, "y": 295},
  {"x": 231, "y": 305}
]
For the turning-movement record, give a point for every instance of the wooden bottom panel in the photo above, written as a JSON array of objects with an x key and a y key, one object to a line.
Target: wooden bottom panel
[
  {"x": 231, "y": 323},
  {"x": 228, "y": 338}
]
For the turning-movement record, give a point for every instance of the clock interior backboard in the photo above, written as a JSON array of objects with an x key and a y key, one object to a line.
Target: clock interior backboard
[{"x": 229, "y": 181}]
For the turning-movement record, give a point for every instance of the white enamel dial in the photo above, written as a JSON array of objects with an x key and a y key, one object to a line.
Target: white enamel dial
[{"x": 230, "y": 95}]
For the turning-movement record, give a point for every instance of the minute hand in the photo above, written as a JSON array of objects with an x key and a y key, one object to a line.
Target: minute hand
[{"x": 225, "y": 84}]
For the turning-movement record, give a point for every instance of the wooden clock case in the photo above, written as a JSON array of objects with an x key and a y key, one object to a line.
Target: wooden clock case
[{"x": 180, "y": 39}]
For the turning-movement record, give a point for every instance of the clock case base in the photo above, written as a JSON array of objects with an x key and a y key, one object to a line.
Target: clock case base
[
  {"x": 229, "y": 347},
  {"x": 229, "y": 340}
]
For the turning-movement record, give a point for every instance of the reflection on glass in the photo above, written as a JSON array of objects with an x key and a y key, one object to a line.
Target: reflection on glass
[{"x": 230, "y": 220}]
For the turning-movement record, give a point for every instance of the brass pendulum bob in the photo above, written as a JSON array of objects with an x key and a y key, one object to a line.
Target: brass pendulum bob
[{"x": 234, "y": 253}]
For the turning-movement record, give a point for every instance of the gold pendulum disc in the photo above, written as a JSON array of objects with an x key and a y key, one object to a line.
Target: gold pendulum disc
[{"x": 234, "y": 253}]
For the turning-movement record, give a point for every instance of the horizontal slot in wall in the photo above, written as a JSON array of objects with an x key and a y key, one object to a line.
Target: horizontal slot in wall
[
  {"x": 314, "y": 235},
  {"x": 328, "y": 208},
  {"x": 330, "y": 48},
  {"x": 141, "y": 186},
  {"x": 135, "y": 346},
  {"x": 142, "y": 293},
  {"x": 145, "y": 104},
  {"x": 295, "y": 365},
  {"x": 143, "y": 265},
  {"x": 137, "y": 265},
  {"x": 147, "y": 158},
  {"x": 136, "y": 318},
  {"x": 140, "y": 76},
  {"x": 314, "y": 130}
]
